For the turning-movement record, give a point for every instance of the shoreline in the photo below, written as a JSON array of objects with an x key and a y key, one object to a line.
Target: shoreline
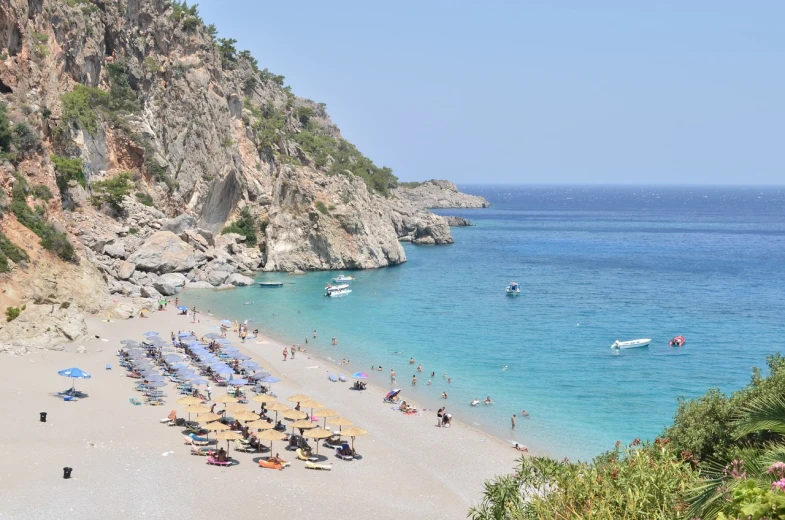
[
  {"x": 121, "y": 455},
  {"x": 431, "y": 403}
]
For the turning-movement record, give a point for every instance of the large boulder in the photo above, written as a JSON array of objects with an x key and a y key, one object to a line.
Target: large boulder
[
  {"x": 200, "y": 285},
  {"x": 125, "y": 270},
  {"x": 179, "y": 224},
  {"x": 217, "y": 277},
  {"x": 174, "y": 279},
  {"x": 239, "y": 280},
  {"x": 115, "y": 249},
  {"x": 44, "y": 326},
  {"x": 149, "y": 292},
  {"x": 165, "y": 252},
  {"x": 165, "y": 289}
]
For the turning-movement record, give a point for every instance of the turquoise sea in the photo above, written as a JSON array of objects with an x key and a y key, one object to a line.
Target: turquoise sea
[{"x": 596, "y": 264}]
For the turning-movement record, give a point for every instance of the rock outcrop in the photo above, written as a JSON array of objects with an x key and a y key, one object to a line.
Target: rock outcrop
[
  {"x": 457, "y": 221},
  {"x": 205, "y": 140},
  {"x": 440, "y": 194},
  {"x": 44, "y": 326}
]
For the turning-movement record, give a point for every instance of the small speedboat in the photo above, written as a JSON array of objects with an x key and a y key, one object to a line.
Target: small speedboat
[
  {"x": 513, "y": 289},
  {"x": 475, "y": 402},
  {"x": 337, "y": 287},
  {"x": 270, "y": 284},
  {"x": 337, "y": 294},
  {"x": 636, "y": 343},
  {"x": 343, "y": 278},
  {"x": 678, "y": 341}
]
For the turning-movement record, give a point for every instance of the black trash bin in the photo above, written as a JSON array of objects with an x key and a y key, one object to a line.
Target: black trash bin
[
  {"x": 67, "y": 472},
  {"x": 43, "y": 416}
]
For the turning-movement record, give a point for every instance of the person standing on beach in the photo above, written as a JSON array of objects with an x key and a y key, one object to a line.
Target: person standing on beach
[
  {"x": 293, "y": 351},
  {"x": 285, "y": 353},
  {"x": 392, "y": 376},
  {"x": 512, "y": 420},
  {"x": 439, "y": 415},
  {"x": 209, "y": 392}
]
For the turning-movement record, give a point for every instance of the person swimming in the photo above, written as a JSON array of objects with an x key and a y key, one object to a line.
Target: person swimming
[
  {"x": 475, "y": 402},
  {"x": 488, "y": 400},
  {"x": 505, "y": 367}
]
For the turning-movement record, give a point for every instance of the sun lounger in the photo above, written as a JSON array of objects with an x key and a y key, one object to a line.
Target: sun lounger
[
  {"x": 311, "y": 465},
  {"x": 272, "y": 465},
  {"x": 108, "y": 367},
  {"x": 215, "y": 462},
  {"x": 198, "y": 441},
  {"x": 332, "y": 378},
  {"x": 135, "y": 402},
  {"x": 341, "y": 378},
  {"x": 302, "y": 456},
  {"x": 201, "y": 452},
  {"x": 171, "y": 418},
  {"x": 342, "y": 456}
]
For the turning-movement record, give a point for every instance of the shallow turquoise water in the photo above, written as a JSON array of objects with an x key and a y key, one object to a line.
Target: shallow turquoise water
[{"x": 597, "y": 264}]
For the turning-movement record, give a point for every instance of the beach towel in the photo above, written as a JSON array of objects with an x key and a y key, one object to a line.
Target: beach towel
[{"x": 135, "y": 402}]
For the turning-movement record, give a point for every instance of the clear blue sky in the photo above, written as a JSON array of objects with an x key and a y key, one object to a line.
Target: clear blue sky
[{"x": 537, "y": 92}]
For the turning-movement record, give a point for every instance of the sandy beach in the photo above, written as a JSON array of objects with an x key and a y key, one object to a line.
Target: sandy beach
[{"x": 127, "y": 465}]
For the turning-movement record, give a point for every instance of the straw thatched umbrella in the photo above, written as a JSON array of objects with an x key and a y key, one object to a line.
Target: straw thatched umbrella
[
  {"x": 318, "y": 434},
  {"x": 353, "y": 432},
  {"x": 225, "y": 399},
  {"x": 302, "y": 424},
  {"x": 340, "y": 422},
  {"x": 217, "y": 426},
  {"x": 207, "y": 417},
  {"x": 296, "y": 398},
  {"x": 294, "y": 415},
  {"x": 260, "y": 425},
  {"x": 237, "y": 408},
  {"x": 264, "y": 399},
  {"x": 196, "y": 408},
  {"x": 228, "y": 436},
  {"x": 271, "y": 435},
  {"x": 325, "y": 412},
  {"x": 246, "y": 416},
  {"x": 278, "y": 407},
  {"x": 310, "y": 403},
  {"x": 186, "y": 401}
]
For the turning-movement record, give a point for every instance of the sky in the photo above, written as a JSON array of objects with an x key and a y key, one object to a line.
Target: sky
[{"x": 600, "y": 92}]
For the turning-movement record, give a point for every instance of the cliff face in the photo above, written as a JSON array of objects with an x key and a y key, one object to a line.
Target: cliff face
[
  {"x": 439, "y": 194},
  {"x": 191, "y": 136}
]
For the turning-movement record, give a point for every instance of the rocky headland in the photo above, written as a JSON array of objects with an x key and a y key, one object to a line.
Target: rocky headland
[{"x": 139, "y": 154}]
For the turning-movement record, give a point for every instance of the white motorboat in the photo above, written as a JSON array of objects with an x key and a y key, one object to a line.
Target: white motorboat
[
  {"x": 337, "y": 287},
  {"x": 337, "y": 294},
  {"x": 635, "y": 343},
  {"x": 343, "y": 278},
  {"x": 513, "y": 289}
]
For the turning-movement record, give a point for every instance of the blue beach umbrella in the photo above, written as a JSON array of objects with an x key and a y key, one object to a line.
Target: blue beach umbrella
[
  {"x": 150, "y": 333},
  {"x": 199, "y": 382},
  {"x": 224, "y": 370},
  {"x": 155, "y": 378},
  {"x": 182, "y": 308},
  {"x": 250, "y": 364},
  {"x": 74, "y": 373},
  {"x": 269, "y": 379},
  {"x": 360, "y": 375},
  {"x": 212, "y": 335},
  {"x": 156, "y": 384},
  {"x": 259, "y": 375},
  {"x": 237, "y": 382}
]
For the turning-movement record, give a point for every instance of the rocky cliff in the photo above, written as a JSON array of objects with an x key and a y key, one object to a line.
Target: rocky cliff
[
  {"x": 439, "y": 194},
  {"x": 131, "y": 139}
]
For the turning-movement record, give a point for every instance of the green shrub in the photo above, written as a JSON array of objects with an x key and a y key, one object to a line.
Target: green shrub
[
  {"x": 182, "y": 11},
  {"x": 80, "y": 107},
  {"x": 42, "y": 191},
  {"x": 212, "y": 31},
  {"x": 51, "y": 239},
  {"x": 40, "y": 37},
  {"x": 25, "y": 139},
  {"x": 144, "y": 198},
  {"x": 412, "y": 184},
  {"x": 11, "y": 251},
  {"x": 243, "y": 226},
  {"x": 151, "y": 65},
  {"x": 12, "y": 313},
  {"x": 266, "y": 75},
  {"x": 67, "y": 170},
  {"x": 6, "y": 135},
  {"x": 321, "y": 207},
  {"x": 113, "y": 190},
  {"x": 228, "y": 52}
]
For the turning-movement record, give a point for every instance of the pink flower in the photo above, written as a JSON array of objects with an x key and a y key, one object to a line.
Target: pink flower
[
  {"x": 778, "y": 485},
  {"x": 777, "y": 469}
]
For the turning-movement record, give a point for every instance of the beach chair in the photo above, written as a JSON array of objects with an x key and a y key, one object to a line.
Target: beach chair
[
  {"x": 201, "y": 452},
  {"x": 170, "y": 419},
  {"x": 341, "y": 378},
  {"x": 344, "y": 452},
  {"x": 198, "y": 441},
  {"x": 108, "y": 367},
  {"x": 215, "y": 462},
  {"x": 272, "y": 465},
  {"x": 134, "y": 401},
  {"x": 311, "y": 465},
  {"x": 302, "y": 455},
  {"x": 332, "y": 378}
]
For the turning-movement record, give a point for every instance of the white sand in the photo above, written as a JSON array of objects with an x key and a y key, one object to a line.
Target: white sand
[{"x": 127, "y": 465}]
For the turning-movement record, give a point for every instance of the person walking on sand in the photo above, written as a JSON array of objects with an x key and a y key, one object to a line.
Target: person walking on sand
[
  {"x": 392, "y": 376},
  {"x": 209, "y": 392},
  {"x": 293, "y": 351},
  {"x": 285, "y": 353},
  {"x": 439, "y": 416},
  {"x": 512, "y": 420}
]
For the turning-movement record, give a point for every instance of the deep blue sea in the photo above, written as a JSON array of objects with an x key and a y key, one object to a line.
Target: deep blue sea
[{"x": 596, "y": 264}]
